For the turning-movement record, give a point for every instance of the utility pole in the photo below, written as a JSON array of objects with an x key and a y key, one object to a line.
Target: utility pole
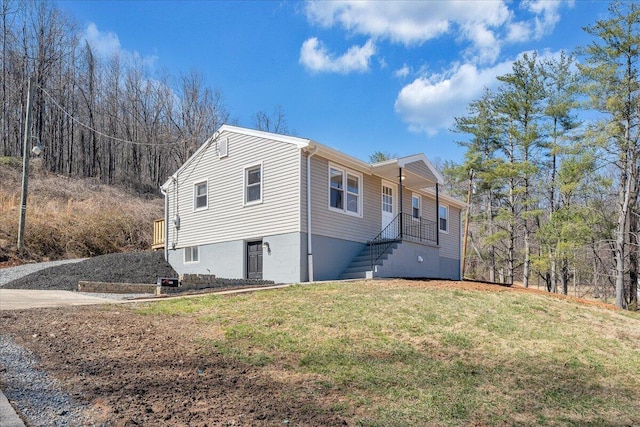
[
  {"x": 25, "y": 169},
  {"x": 466, "y": 223}
]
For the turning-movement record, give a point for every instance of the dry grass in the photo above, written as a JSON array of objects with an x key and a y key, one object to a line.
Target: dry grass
[{"x": 69, "y": 218}]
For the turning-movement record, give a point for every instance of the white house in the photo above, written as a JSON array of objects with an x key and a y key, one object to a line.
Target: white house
[{"x": 244, "y": 204}]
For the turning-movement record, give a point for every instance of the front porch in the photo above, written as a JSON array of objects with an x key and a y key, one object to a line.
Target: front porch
[{"x": 403, "y": 223}]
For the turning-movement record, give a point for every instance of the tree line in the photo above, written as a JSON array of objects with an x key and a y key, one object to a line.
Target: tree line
[
  {"x": 554, "y": 196},
  {"x": 107, "y": 118}
]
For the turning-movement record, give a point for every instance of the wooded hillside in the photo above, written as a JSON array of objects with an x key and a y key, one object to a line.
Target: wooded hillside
[{"x": 107, "y": 118}]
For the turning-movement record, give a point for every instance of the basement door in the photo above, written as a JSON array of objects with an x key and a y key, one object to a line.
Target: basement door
[
  {"x": 389, "y": 205},
  {"x": 254, "y": 260}
]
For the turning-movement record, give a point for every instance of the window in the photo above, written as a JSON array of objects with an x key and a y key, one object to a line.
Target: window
[
  {"x": 387, "y": 199},
  {"x": 416, "y": 202},
  {"x": 200, "y": 195},
  {"x": 345, "y": 198},
  {"x": 191, "y": 254},
  {"x": 253, "y": 184},
  {"x": 444, "y": 218}
]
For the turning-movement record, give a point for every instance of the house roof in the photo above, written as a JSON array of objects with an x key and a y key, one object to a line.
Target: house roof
[{"x": 417, "y": 171}]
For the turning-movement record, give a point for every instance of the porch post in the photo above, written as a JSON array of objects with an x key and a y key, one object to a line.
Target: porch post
[
  {"x": 400, "y": 200},
  {"x": 437, "y": 215}
]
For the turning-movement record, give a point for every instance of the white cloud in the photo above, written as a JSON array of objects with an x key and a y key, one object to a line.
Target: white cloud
[
  {"x": 106, "y": 45},
  {"x": 103, "y": 44},
  {"x": 315, "y": 57},
  {"x": 414, "y": 22},
  {"x": 482, "y": 26},
  {"x": 429, "y": 104},
  {"x": 546, "y": 16},
  {"x": 402, "y": 72}
]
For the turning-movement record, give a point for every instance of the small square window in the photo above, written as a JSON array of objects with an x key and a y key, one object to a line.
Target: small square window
[
  {"x": 191, "y": 254},
  {"x": 200, "y": 195}
]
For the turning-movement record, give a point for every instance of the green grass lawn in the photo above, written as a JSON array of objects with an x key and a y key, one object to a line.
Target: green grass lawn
[{"x": 400, "y": 354}]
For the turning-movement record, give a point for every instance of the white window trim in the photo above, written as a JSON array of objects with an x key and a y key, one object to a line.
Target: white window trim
[
  {"x": 195, "y": 185},
  {"x": 447, "y": 218},
  {"x": 345, "y": 171},
  {"x": 190, "y": 248},
  {"x": 419, "y": 197},
  {"x": 244, "y": 184}
]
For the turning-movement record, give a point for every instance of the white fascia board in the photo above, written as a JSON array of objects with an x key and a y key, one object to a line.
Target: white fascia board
[
  {"x": 384, "y": 163},
  {"x": 299, "y": 142},
  {"x": 342, "y": 158},
  {"x": 195, "y": 155}
]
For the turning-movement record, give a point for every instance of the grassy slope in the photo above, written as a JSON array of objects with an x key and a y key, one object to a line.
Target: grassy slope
[
  {"x": 68, "y": 218},
  {"x": 409, "y": 353}
]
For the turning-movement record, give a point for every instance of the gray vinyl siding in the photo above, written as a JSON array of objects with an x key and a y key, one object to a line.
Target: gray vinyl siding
[
  {"x": 449, "y": 242},
  {"x": 421, "y": 169},
  {"x": 227, "y": 218},
  {"x": 329, "y": 223}
]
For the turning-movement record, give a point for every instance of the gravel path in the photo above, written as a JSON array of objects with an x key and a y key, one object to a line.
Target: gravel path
[
  {"x": 32, "y": 392},
  {"x": 13, "y": 273}
]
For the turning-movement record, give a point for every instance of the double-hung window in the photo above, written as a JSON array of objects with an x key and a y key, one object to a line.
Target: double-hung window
[
  {"x": 253, "y": 184},
  {"x": 443, "y": 220},
  {"x": 200, "y": 195},
  {"x": 191, "y": 254},
  {"x": 416, "y": 202},
  {"x": 345, "y": 191}
]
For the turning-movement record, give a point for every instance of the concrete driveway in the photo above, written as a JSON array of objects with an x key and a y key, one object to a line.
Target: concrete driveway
[{"x": 20, "y": 299}]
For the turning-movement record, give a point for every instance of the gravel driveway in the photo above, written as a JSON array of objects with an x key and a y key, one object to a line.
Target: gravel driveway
[{"x": 13, "y": 273}]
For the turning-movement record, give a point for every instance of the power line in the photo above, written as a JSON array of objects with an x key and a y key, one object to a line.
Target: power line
[{"x": 126, "y": 141}]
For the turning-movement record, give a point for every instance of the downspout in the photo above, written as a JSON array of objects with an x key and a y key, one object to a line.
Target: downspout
[
  {"x": 400, "y": 202},
  {"x": 309, "y": 245},
  {"x": 437, "y": 215},
  {"x": 166, "y": 224}
]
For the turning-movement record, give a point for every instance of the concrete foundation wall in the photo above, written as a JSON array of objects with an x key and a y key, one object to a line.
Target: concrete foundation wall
[
  {"x": 225, "y": 259},
  {"x": 281, "y": 263},
  {"x": 415, "y": 260},
  {"x": 331, "y": 256}
]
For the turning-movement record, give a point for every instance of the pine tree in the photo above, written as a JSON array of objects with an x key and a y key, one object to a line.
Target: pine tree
[{"x": 611, "y": 69}]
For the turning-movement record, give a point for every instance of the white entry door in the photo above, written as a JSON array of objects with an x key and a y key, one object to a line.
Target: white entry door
[{"x": 389, "y": 203}]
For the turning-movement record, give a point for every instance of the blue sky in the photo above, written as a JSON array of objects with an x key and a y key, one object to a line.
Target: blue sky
[{"x": 359, "y": 76}]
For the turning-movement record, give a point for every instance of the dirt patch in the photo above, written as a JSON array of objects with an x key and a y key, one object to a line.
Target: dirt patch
[{"x": 150, "y": 370}]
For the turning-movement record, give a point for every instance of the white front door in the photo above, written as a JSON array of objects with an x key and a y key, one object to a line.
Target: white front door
[{"x": 389, "y": 203}]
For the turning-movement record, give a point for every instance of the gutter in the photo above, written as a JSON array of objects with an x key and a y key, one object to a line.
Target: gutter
[{"x": 309, "y": 245}]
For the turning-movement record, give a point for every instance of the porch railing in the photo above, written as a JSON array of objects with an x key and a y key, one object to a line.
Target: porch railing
[
  {"x": 403, "y": 227},
  {"x": 158, "y": 234}
]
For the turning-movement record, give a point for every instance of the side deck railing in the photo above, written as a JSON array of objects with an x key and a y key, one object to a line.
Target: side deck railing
[
  {"x": 158, "y": 234},
  {"x": 403, "y": 227}
]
